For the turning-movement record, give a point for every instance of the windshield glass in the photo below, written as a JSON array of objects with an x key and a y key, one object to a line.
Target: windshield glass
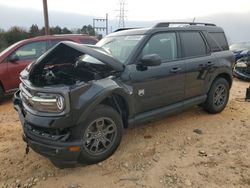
[
  {"x": 240, "y": 46},
  {"x": 120, "y": 47},
  {"x": 7, "y": 49}
]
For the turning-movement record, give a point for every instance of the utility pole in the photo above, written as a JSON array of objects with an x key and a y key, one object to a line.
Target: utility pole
[
  {"x": 46, "y": 17},
  {"x": 107, "y": 24}
]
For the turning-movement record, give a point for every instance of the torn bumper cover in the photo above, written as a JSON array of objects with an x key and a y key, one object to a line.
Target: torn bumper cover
[{"x": 50, "y": 143}]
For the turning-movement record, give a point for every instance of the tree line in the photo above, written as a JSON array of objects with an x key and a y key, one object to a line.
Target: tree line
[{"x": 15, "y": 33}]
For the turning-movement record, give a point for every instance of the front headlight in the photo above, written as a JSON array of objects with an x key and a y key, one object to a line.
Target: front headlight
[
  {"x": 46, "y": 102},
  {"x": 241, "y": 65}
]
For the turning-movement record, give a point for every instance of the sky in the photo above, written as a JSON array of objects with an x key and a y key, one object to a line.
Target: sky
[
  {"x": 232, "y": 16},
  {"x": 143, "y": 10}
]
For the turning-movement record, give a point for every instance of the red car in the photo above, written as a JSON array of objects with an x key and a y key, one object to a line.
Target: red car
[{"x": 16, "y": 57}]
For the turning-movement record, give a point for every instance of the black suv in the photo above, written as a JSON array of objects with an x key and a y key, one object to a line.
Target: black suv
[{"x": 75, "y": 100}]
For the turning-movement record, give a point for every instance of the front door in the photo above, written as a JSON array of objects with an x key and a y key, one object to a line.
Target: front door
[{"x": 162, "y": 85}]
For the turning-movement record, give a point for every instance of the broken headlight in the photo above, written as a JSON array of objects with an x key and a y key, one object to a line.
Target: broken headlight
[{"x": 46, "y": 102}]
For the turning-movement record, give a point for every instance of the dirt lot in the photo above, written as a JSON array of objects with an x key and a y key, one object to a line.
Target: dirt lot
[{"x": 164, "y": 153}]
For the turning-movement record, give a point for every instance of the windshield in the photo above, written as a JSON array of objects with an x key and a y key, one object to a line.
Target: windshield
[
  {"x": 240, "y": 46},
  {"x": 120, "y": 47},
  {"x": 7, "y": 49}
]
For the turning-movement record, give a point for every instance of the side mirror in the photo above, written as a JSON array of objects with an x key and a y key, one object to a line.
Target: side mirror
[
  {"x": 13, "y": 58},
  {"x": 150, "y": 60}
]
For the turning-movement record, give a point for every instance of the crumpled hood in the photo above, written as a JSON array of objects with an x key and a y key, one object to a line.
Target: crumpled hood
[{"x": 72, "y": 50}]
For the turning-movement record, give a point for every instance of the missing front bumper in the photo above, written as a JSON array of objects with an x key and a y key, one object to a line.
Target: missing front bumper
[{"x": 56, "y": 148}]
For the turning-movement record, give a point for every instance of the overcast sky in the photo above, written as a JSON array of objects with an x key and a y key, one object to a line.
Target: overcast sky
[
  {"x": 139, "y": 9},
  {"x": 233, "y": 16}
]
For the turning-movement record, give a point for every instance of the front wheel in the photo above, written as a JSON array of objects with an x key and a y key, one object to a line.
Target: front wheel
[
  {"x": 218, "y": 96},
  {"x": 101, "y": 133}
]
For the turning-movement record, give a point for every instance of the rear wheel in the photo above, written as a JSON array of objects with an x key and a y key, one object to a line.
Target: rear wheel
[
  {"x": 102, "y": 133},
  {"x": 218, "y": 96}
]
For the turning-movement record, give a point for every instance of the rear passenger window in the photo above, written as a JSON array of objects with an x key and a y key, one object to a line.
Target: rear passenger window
[
  {"x": 192, "y": 44},
  {"x": 163, "y": 44}
]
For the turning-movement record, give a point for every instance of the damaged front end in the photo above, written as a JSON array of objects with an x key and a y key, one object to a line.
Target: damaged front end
[
  {"x": 51, "y": 97},
  {"x": 69, "y": 63},
  {"x": 242, "y": 68}
]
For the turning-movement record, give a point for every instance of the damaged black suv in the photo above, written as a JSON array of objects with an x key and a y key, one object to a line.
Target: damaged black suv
[{"x": 75, "y": 100}]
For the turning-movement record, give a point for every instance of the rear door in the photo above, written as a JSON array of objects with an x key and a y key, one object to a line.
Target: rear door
[
  {"x": 26, "y": 54},
  {"x": 199, "y": 62},
  {"x": 161, "y": 85}
]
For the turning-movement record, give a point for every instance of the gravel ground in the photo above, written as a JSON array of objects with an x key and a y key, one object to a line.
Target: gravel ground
[{"x": 190, "y": 149}]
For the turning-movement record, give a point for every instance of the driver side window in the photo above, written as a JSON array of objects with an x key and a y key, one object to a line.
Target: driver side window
[
  {"x": 31, "y": 51},
  {"x": 162, "y": 44}
]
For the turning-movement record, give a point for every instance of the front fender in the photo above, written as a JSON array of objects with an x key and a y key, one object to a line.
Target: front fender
[{"x": 83, "y": 102}]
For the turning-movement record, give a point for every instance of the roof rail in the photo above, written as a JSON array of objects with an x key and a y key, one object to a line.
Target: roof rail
[
  {"x": 122, "y": 29},
  {"x": 166, "y": 24}
]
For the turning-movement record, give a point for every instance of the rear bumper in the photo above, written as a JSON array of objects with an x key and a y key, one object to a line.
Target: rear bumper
[{"x": 56, "y": 148}]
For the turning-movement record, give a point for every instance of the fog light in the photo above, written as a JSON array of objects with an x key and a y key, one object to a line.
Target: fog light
[{"x": 74, "y": 148}]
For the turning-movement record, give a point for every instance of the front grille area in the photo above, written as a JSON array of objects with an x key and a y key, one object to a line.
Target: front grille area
[{"x": 47, "y": 133}]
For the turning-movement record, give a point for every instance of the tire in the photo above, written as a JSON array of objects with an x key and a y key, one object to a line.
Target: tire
[
  {"x": 217, "y": 96},
  {"x": 110, "y": 134},
  {"x": 1, "y": 94}
]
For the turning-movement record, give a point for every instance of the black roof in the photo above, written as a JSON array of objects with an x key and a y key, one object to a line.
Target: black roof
[{"x": 168, "y": 26}]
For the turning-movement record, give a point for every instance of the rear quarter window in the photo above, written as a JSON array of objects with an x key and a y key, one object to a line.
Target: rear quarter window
[
  {"x": 217, "y": 41},
  {"x": 221, "y": 39},
  {"x": 192, "y": 44}
]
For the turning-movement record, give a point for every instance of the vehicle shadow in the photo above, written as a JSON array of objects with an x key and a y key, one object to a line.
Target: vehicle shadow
[{"x": 7, "y": 99}]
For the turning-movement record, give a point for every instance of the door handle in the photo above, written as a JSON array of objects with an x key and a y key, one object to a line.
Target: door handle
[
  {"x": 209, "y": 64},
  {"x": 175, "y": 70}
]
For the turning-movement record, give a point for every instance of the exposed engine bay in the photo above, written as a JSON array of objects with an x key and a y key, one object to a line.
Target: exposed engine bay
[
  {"x": 69, "y": 74},
  {"x": 67, "y": 65}
]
